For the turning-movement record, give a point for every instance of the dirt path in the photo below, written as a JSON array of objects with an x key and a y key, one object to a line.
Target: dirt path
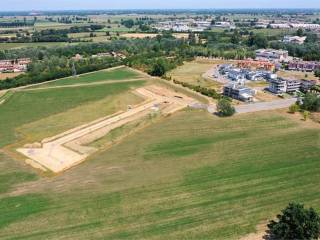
[
  {"x": 68, "y": 149},
  {"x": 3, "y": 92},
  {"x": 259, "y": 235}
]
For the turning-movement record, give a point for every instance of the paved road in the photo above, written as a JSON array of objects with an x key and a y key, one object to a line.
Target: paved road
[
  {"x": 214, "y": 72},
  {"x": 263, "y": 106}
]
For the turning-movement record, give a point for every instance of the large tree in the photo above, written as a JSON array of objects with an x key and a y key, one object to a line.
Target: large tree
[
  {"x": 295, "y": 222},
  {"x": 224, "y": 108},
  {"x": 311, "y": 102}
]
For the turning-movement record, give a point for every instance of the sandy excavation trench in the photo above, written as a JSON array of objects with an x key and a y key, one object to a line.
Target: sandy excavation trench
[{"x": 65, "y": 150}]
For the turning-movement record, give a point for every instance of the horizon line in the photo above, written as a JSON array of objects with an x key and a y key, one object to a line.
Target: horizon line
[{"x": 162, "y": 9}]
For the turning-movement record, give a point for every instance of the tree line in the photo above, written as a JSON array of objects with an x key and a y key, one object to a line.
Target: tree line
[
  {"x": 155, "y": 56},
  {"x": 51, "y": 35}
]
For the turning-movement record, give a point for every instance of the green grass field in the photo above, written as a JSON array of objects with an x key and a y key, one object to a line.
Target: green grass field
[
  {"x": 99, "y": 76},
  {"x": 191, "y": 72},
  {"x": 187, "y": 176},
  {"x": 30, "y": 106}
]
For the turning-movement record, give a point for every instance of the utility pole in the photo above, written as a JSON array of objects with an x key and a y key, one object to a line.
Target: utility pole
[{"x": 74, "y": 70}]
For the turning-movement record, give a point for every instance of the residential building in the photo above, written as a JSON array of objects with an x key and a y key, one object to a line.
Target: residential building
[
  {"x": 239, "y": 92},
  {"x": 310, "y": 26},
  {"x": 278, "y": 86},
  {"x": 288, "y": 25},
  {"x": 236, "y": 74},
  {"x": 306, "y": 85},
  {"x": 272, "y": 55},
  {"x": 224, "y": 68},
  {"x": 293, "y": 85},
  {"x": 14, "y": 65},
  {"x": 203, "y": 24},
  {"x": 294, "y": 39},
  {"x": 223, "y": 24},
  {"x": 280, "y": 25},
  {"x": 257, "y": 75},
  {"x": 304, "y": 66},
  {"x": 249, "y": 63},
  {"x": 183, "y": 25},
  {"x": 77, "y": 57}
]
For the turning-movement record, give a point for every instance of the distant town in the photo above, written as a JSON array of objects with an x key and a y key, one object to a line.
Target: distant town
[{"x": 160, "y": 123}]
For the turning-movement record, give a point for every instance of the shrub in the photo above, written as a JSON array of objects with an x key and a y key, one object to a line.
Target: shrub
[
  {"x": 305, "y": 115},
  {"x": 294, "y": 108},
  {"x": 224, "y": 108}
]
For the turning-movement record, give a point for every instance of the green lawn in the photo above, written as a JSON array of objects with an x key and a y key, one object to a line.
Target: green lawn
[
  {"x": 29, "y": 106},
  {"x": 188, "y": 176},
  {"x": 99, "y": 76}
]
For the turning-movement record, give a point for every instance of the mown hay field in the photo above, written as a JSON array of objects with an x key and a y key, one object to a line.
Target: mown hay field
[{"x": 187, "y": 176}]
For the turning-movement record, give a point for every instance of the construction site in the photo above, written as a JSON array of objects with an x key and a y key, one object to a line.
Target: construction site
[{"x": 63, "y": 151}]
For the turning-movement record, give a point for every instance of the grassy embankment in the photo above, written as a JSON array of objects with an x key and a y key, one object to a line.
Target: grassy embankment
[{"x": 101, "y": 76}]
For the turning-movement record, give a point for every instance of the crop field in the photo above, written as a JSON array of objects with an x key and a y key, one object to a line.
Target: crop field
[
  {"x": 6, "y": 46},
  {"x": 274, "y": 32},
  {"x": 175, "y": 179}
]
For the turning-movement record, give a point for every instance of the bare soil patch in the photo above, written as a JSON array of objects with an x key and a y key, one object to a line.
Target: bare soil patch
[{"x": 4, "y": 76}]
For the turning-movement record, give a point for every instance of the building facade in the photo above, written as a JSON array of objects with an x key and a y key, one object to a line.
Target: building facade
[
  {"x": 238, "y": 92},
  {"x": 277, "y": 86},
  {"x": 272, "y": 55},
  {"x": 304, "y": 66},
  {"x": 15, "y": 65},
  {"x": 294, "y": 39},
  {"x": 280, "y": 85}
]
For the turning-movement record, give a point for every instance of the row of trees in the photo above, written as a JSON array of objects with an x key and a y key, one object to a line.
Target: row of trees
[
  {"x": 203, "y": 90},
  {"x": 52, "y": 35},
  {"x": 308, "y": 51},
  {"x": 54, "y": 68},
  {"x": 156, "y": 56}
]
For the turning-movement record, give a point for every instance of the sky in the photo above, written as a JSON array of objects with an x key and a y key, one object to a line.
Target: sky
[{"x": 21, "y": 5}]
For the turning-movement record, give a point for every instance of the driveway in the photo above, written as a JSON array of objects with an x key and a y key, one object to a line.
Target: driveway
[{"x": 263, "y": 106}]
